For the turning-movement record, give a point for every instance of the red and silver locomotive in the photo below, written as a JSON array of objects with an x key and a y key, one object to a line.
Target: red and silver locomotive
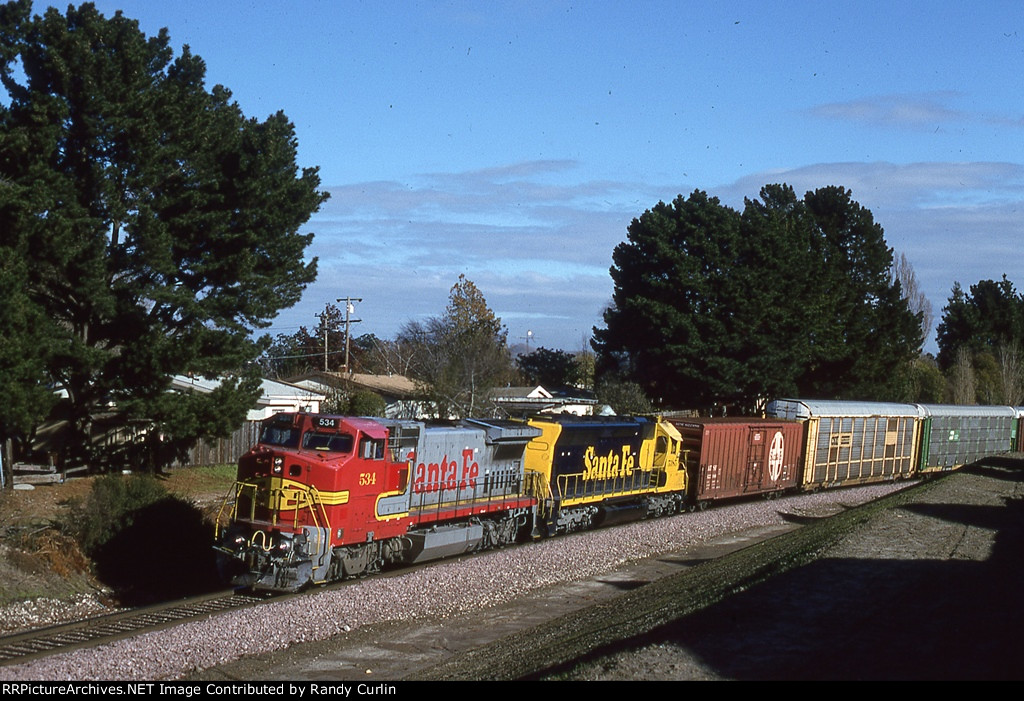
[{"x": 327, "y": 497}]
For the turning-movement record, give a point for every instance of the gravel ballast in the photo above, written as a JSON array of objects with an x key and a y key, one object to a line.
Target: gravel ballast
[{"x": 435, "y": 593}]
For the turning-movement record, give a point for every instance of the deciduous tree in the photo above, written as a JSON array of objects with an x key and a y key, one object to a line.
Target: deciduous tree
[
  {"x": 1010, "y": 380},
  {"x": 319, "y": 348},
  {"x": 460, "y": 356},
  {"x": 963, "y": 385},
  {"x": 903, "y": 272}
]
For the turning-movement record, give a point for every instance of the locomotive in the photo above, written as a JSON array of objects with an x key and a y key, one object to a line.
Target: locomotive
[{"x": 322, "y": 498}]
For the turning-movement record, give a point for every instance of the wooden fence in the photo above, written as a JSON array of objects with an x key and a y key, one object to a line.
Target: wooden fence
[{"x": 218, "y": 451}]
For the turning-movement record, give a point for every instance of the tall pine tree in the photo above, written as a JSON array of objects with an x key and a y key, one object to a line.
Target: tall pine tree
[
  {"x": 790, "y": 297},
  {"x": 159, "y": 223}
]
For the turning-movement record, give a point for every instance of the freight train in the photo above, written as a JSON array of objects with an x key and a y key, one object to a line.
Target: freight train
[{"x": 322, "y": 498}]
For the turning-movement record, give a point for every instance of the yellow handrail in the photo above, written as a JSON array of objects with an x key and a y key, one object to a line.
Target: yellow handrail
[
  {"x": 304, "y": 497},
  {"x": 575, "y": 486}
]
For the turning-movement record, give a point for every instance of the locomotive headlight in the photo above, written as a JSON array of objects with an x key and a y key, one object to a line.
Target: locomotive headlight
[{"x": 278, "y": 465}]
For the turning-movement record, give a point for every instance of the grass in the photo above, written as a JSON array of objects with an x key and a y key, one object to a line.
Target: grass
[{"x": 193, "y": 482}]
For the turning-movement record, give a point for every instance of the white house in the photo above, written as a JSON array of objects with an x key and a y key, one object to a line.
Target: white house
[{"x": 275, "y": 397}]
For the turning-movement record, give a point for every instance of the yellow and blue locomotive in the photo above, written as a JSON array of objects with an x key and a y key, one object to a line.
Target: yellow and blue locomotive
[{"x": 598, "y": 471}]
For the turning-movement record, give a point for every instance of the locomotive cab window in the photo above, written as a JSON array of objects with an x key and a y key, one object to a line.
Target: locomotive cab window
[
  {"x": 327, "y": 442},
  {"x": 371, "y": 448},
  {"x": 661, "y": 452},
  {"x": 284, "y": 436}
]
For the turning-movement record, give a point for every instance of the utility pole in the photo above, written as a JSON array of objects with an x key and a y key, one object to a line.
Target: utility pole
[
  {"x": 323, "y": 322},
  {"x": 349, "y": 308}
]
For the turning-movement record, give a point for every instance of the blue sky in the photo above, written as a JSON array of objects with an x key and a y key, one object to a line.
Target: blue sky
[{"x": 514, "y": 142}]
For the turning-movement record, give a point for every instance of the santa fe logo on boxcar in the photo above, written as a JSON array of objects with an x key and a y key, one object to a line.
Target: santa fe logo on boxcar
[{"x": 775, "y": 457}]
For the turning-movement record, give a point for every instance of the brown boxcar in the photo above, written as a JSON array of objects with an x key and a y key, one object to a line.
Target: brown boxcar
[{"x": 734, "y": 457}]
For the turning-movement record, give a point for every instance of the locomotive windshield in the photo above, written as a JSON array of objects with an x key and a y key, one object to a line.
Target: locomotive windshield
[
  {"x": 328, "y": 442},
  {"x": 284, "y": 436}
]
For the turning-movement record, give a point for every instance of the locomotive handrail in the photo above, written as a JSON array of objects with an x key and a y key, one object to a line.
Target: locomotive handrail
[
  {"x": 236, "y": 489},
  {"x": 306, "y": 497},
  {"x": 461, "y": 495},
  {"x": 313, "y": 492},
  {"x": 536, "y": 484},
  {"x": 298, "y": 497},
  {"x": 569, "y": 485}
]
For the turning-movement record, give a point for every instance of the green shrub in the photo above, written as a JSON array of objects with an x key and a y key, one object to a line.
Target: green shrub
[
  {"x": 112, "y": 506},
  {"x": 365, "y": 403},
  {"x": 624, "y": 397},
  {"x": 145, "y": 543},
  {"x": 362, "y": 402}
]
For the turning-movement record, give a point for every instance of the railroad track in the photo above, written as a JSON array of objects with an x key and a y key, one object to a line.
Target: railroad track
[
  {"x": 41, "y": 642},
  {"x": 23, "y": 647}
]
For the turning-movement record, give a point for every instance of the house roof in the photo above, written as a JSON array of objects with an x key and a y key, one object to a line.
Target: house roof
[
  {"x": 537, "y": 392},
  {"x": 269, "y": 389},
  {"x": 532, "y": 399},
  {"x": 394, "y": 385}
]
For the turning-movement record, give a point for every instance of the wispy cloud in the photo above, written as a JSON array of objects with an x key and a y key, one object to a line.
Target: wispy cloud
[
  {"x": 905, "y": 111},
  {"x": 897, "y": 185},
  {"x": 534, "y": 238},
  {"x": 511, "y": 213},
  {"x": 915, "y": 112}
]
